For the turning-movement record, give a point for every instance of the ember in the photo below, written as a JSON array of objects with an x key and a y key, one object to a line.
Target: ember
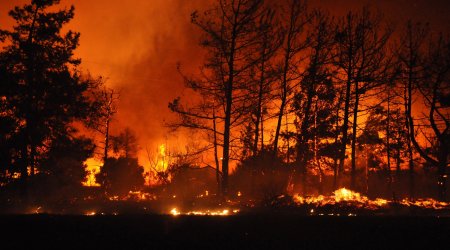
[{"x": 224, "y": 212}]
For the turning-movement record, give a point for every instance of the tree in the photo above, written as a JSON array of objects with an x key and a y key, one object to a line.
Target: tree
[
  {"x": 313, "y": 101},
  {"x": 270, "y": 40},
  {"x": 371, "y": 144},
  {"x": 121, "y": 175},
  {"x": 229, "y": 38},
  {"x": 434, "y": 89},
  {"x": 361, "y": 60},
  {"x": 103, "y": 111},
  {"x": 294, "y": 43},
  {"x": 411, "y": 59},
  {"x": 63, "y": 171},
  {"x": 44, "y": 91},
  {"x": 125, "y": 144}
]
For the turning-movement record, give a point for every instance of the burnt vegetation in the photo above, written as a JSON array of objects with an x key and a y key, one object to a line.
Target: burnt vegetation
[{"x": 291, "y": 102}]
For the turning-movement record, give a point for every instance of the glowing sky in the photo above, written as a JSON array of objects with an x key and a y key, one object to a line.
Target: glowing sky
[{"x": 136, "y": 44}]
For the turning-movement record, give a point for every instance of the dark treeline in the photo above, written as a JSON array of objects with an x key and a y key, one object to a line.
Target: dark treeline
[
  {"x": 292, "y": 97},
  {"x": 46, "y": 106},
  {"x": 290, "y": 93}
]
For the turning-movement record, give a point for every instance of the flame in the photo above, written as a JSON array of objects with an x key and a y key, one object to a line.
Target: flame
[
  {"x": 174, "y": 212},
  {"x": 90, "y": 213},
  {"x": 163, "y": 162},
  {"x": 224, "y": 212},
  {"x": 92, "y": 168},
  {"x": 342, "y": 195},
  {"x": 135, "y": 196},
  {"x": 426, "y": 203},
  {"x": 347, "y": 196}
]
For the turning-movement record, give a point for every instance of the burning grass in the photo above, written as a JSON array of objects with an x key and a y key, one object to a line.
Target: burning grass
[{"x": 342, "y": 202}]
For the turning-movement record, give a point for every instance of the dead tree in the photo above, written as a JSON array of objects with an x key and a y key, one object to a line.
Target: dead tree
[
  {"x": 270, "y": 40},
  {"x": 315, "y": 84},
  {"x": 411, "y": 59},
  {"x": 229, "y": 38},
  {"x": 294, "y": 43},
  {"x": 361, "y": 59},
  {"x": 434, "y": 89}
]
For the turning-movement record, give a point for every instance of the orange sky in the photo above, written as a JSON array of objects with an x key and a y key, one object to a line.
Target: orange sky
[{"x": 136, "y": 44}]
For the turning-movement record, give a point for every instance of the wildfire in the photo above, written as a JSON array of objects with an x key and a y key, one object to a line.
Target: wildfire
[
  {"x": 135, "y": 196},
  {"x": 349, "y": 197},
  {"x": 162, "y": 161},
  {"x": 90, "y": 213},
  {"x": 174, "y": 212},
  {"x": 224, "y": 212},
  {"x": 342, "y": 195},
  {"x": 159, "y": 163},
  {"x": 427, "y": 203},
  {"x": 92, "y": 168}
]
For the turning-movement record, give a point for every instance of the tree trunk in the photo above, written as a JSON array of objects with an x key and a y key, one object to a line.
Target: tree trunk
[
  {"x": 226, "y": 138},
  {"x": 259, "y": 104},
  {"x": 283, "y": 101},
  {"x": 302, "y": 141},
  {"x": 228, "y": 106},
  {"x": 354, "y": 130},
  {"x": 24, "y": 172},
  {"x": 388, "y": 138},
  {"x": 105, "y": 150},
  {"x": 216, "y": 157},
  {"x": 443, "y": 158},
  {"x": 345, "y": 124}
]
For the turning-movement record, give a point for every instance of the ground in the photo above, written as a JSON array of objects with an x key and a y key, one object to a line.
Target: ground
[{"x": 251, "y": 231}]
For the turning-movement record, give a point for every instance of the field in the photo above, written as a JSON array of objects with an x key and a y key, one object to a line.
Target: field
[{"x": 250, "y": 231}]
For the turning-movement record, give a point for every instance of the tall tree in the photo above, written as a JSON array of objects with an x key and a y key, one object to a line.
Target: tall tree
[
  {"x": 269, "y": 41},
  {"x": 46, "y": 92},
  {"x": 434, "y": 89},
  {"x": 411, "y": 57},
  {"x": 361, "y": 58},
  {"x": 296, "y": 18},
  {"x": 229, "y": 37},
  {"x": 316, "y": 86}
]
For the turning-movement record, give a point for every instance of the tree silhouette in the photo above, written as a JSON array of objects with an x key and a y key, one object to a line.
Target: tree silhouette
[
  {"x": 229, "y": 37},
  {"x": 316, "y": 96},
  {"x": 362, "y": 63},
  {"x": 125, "y": 144},
  {"x": 120, "y": 175},
  {"x": 44, "y": 93},
  {"x": 295, "y": 20},
  {"x": 434, "y": 89}
]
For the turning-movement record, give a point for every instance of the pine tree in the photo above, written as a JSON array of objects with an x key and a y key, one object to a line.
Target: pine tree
[{"x": 42, "y": 89}]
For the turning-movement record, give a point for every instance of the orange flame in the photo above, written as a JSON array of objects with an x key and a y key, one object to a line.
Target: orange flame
[{"x": 92, "y": 168}]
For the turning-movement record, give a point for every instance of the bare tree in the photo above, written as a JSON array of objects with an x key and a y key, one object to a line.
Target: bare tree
[
  {"x": 411, "y": 59},
  {"x": 229, "y": 38},
  {"x": 316, "y": 86},
  {"x": 296, "y": 20},
  {"x": 434, "y": 89},
  {"x": 361, "y": 57},
  {"x": 100, "y": 119},
  {"x": 270, "y": 40}
]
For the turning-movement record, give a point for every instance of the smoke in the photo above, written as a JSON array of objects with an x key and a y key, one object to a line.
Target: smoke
[{"x": 136, "y": 45}]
